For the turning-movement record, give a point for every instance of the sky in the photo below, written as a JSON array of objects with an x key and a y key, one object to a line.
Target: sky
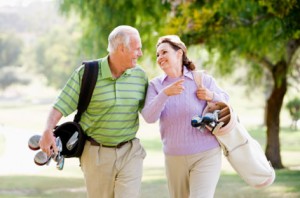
[{"x": 17, "y": 2}]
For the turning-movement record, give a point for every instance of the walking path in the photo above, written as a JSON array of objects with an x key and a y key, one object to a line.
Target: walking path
[{"x": 17, "y": 158}]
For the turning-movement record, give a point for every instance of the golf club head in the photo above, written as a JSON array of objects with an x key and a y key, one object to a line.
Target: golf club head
[
  {"x": 208, "y": 118},
  {"x": 72, "y": 142},
  {"x": 33, "y": 142},
  {"x": 60, "y": 162},
  {"x": 41, "y": 158},
  {"x": 196, "y": 121},
  {"x": 58, "y": 143}
]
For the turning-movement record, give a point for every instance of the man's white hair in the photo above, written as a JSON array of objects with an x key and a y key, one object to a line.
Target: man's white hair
[{"x": 120, "y": 35}]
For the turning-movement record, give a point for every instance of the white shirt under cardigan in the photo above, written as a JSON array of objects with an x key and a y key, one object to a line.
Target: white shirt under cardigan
[{"x": 175, "y": 113}]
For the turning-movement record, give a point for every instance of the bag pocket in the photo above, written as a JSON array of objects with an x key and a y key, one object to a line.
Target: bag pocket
[{"x": 232, "y": 140}]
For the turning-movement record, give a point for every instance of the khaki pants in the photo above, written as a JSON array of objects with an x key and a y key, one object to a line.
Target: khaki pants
[
  {"x": 193, "y": 176},
  {"x": 113, "y": 172}
]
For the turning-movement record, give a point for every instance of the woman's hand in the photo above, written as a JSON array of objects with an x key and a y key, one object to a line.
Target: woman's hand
[
  {"x": 205, "y": 94},
  {"x": 174, "y": 88}
]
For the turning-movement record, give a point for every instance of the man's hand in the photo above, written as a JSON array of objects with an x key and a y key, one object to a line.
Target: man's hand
[
  {"x": 47, "y": 143},
  {"x": 174, "y": 88}
]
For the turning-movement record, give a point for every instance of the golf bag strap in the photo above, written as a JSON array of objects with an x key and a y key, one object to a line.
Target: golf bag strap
[
  {"x": 198, "y": 77},
  {"x": 198, "y": 80},
  {"x": 88, "y": 83}
]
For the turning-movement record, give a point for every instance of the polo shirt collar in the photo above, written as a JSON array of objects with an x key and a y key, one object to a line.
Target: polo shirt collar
[
  {"x": 186, "y": 73},
  {"x": 105, "y": 69}
]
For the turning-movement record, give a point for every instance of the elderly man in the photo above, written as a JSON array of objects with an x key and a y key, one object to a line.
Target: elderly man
[{"x": 112, "y": 159}]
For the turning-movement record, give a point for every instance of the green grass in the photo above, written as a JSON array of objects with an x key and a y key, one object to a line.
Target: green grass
[
  {"x": 69, "y": 183},
  {"x": 287, "y": 184},
  {"x": 40, "y": 186}
]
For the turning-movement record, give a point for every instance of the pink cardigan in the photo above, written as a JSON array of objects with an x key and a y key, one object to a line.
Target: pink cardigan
[{"x": 175, "y": 112}]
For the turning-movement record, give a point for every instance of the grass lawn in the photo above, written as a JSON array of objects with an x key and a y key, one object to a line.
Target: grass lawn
[
  {"x": 287, "y": 185},
  {"x": 48, "y": 182}
]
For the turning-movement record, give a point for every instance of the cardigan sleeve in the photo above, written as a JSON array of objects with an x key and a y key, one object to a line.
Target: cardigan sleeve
[
  {"x": 154, "y": 104},
  {"x": 219, "y": 94}
]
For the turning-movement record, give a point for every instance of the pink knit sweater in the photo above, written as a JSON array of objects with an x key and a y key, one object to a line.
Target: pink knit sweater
[{"x": 175, "y": 113}]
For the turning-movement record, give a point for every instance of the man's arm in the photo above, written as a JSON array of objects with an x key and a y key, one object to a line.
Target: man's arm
[{"x": 47, "y": 141}]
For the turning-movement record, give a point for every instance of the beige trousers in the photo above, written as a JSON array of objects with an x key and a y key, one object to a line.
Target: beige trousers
[
  {"x": 193, "y": 176},
  {"x": 113, "y": 172}
]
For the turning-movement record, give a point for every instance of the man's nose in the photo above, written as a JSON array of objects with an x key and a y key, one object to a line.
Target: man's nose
[{"x": 140, "y": 53}]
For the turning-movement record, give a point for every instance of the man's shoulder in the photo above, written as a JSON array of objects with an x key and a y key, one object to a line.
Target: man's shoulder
[
  {"x": 138, "y": 70},
  {"x": 80, "y": 68}
]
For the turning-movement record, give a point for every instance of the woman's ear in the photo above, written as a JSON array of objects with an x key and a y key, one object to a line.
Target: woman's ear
[{"x": 180, "y": 52}]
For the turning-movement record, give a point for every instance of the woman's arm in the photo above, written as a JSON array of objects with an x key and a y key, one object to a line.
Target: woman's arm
[
  {"x": 157, "y": 97},
  {"x": 154, "y": 104}
]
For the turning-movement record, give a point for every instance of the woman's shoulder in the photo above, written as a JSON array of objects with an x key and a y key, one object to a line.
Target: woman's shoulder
[
  {"x": 158, "y": 78},
  {"x": 157, "y": 81}
]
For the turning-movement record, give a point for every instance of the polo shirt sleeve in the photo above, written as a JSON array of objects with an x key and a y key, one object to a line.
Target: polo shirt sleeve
[
  {"x": 142, "y": 103},
  {"x": 67, "y": 100}
]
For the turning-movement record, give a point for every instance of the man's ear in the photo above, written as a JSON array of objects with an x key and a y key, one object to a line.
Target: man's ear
[{"x": 121, "y": 48}]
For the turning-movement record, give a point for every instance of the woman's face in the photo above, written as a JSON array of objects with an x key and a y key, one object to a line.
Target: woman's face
[{"x": 168, "y": 58}]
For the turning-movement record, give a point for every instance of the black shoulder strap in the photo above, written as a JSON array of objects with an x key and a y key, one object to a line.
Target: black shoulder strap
[{"x": 88, "y": 83}]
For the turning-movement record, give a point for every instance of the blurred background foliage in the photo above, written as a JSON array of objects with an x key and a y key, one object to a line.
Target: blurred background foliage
[
  {"x": 255, "y": 43},
  {"x": 36, "y": 41},
  {"x": 100, "y": 17}
]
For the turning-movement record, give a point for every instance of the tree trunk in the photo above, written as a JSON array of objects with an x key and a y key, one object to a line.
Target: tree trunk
[{"x": 274, "y": 104}]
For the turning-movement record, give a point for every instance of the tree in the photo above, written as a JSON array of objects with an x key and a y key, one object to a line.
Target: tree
[
  {"x": 13, "y": 75},
  {"x": 294, "y": 109},
  {"x": 10, "y": 49},
  {"x": 264, "y": 33},
  {"x": 56, "y": 55},
  {"x": 100, "y": 17}
]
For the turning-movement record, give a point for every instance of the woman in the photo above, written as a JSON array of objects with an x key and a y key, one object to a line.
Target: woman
[{"x": 192, "y": 158}]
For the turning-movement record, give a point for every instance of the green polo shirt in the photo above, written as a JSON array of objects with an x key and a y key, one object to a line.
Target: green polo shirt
[{"x": 112, "y": 115}]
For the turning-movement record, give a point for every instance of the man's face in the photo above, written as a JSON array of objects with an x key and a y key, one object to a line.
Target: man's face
[{"x": 134, "y": 51}]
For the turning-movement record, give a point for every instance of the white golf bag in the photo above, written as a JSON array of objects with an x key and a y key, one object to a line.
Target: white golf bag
[{"x": 242, "y": 151}]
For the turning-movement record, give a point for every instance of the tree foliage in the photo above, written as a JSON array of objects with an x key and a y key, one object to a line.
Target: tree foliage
[
  {"x": 12, "y": 75},
  {"x": 249, "y": 29},
  {"x": 56, "y": 56},
  {"x": 38, "y": 39},
  {"x": 100, "y": 17},
  {"x": 293, "y": 107},
  {"x": 10, "y": 49}
]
